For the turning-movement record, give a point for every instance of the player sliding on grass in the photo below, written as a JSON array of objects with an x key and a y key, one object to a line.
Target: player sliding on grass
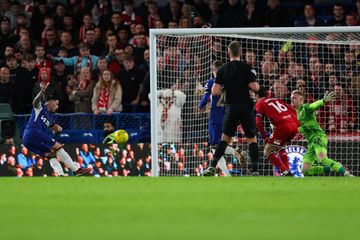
[
  {"x": 315, "y": 136},
  {"x": 216, "y": 118},
  {"x": 284, "y": 120},
  {"x": 37, "y": 139}
]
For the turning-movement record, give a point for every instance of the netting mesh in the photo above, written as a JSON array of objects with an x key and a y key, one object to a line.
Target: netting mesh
[{"x": 314, "y": 63}]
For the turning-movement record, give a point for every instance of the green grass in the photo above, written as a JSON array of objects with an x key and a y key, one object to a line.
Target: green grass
[{"x": 179, "y": 208}]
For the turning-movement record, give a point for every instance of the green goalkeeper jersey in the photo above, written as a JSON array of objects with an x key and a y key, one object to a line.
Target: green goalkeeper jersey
[{"x": 309, "y": 126}]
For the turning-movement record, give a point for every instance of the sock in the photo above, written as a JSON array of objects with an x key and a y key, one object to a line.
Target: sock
[
  {"x": 230, "y": 151},
  {"x": 219, "y": 152},
  {"x": 276, "y": 161},
  {"x": 54, "y": 163},
  {"x": 65, "y": 158},
  {"x": 223, "y": 167},
  {"x": 284, "y": 158},
  {"x": 254, "y": 155},
  {"x": 334, "y": 165},
  {"x": 316, "y": 170}
]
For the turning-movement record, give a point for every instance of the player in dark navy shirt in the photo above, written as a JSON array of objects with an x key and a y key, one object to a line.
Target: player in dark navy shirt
[
  {"x": 216, "y": 118},
  {"x": 38, "y": 138},
  {"x": 235, "y": 79}
]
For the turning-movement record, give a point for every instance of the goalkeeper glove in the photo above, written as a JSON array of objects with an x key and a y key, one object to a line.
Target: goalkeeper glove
[{"x": 328, "y": 97}]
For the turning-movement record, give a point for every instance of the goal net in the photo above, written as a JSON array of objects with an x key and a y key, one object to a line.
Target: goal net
[{"x": 314, "y": 60}]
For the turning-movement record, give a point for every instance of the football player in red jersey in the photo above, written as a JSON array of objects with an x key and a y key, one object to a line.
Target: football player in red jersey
[{"x": 285, "y": 127}]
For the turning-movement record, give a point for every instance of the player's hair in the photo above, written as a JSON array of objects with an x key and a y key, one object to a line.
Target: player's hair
[
  {"x": 298, "y": 92},
  {"x": 235, "y": 48},
  {"x": 217, "y": 64}
]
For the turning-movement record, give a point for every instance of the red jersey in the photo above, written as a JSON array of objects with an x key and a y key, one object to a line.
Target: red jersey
[{"x": 277, "y": 111}]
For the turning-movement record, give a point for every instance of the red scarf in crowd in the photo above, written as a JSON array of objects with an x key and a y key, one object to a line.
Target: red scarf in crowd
[
  {"x": 88, "y": 64},
  {"x": 103, "y": 101}
]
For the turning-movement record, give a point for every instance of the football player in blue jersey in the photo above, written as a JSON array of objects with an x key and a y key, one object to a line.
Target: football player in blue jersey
[
  {"x": 216, "y": 119},
  {"x": 38, "y": 138}
]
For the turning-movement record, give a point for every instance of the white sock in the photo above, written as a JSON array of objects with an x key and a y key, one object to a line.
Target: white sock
[
  {"x": 230, "y": 151},
  {"x": 54, "y": 163},
  {"x": 65, "y": 158},
  {"x": 222, "y": 165}
]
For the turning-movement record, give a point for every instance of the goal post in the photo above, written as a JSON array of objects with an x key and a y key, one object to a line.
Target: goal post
[{"x": 314, "y": 59}]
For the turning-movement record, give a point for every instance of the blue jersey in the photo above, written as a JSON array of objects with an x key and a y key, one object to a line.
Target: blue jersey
[
  {"x": 37, "y": 136},
  {"x": 40, "y": 119},
  {"x": 217, "y": 103}
]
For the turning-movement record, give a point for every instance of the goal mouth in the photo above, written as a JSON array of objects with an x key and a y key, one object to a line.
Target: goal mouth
[{"x": 313, "y": 60}]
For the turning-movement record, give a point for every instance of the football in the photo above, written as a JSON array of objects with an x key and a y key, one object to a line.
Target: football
[{"x": 121, "y": 136}]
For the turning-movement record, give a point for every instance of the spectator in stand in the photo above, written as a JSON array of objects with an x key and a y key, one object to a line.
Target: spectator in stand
[
  {"x": 31, "y": 75},
  {"x": 96, "y": 47},
  {"x": 116, "y": 22},
  {"x": 17, "y": 78},
  {"x": 339, "y": 15},
  {"x": 348, "y": 68},
  {"x": 111, "y": 45},
  {"x": 87, "y": 24},
  {"x": 67, "y": 43},
  {"x": 275, "y": 16},
  {"x": 13, "y": 15},
  {"x": 82, "y": 93},
  {"x": 145, "y": 64},
  {"x": 39, "y": 170},
  {"x": 254, "y": 14},
  {"x": 86, "y": 155},
  {"x": 5, "y": 7},
  {"x": 101, "y": 66},
  {"x": 6, "y": 87},
  {"x": 24, "y": 45},
  {"x": 350, "y": 20},
  {"x": 40, "y": 60},
  {"x": 232, "y": 15},
  {"x": 250, "y": 58},
  {"x": 138, "y": 170},
  {"x": 85, "y": 60},
  {"x": 37, "y": 19},
  {"x": 123, "y": 36},
  {"x": 107, "y": 94},
  {"x": 131, "y": 79},
  {"x": 172, "y": 24},
  {"x": 140, "y": 47},
  {"x": 21, "y": 22},
  {"x": 334, "y": 54},
  {"x": 153, "y": 14},
  {"x": 7, "y": 38},
  {"x": 355, "y": 94},
  {"x": 23, "y": 158},
  {"x": 214, "y": 10},
  {"x": 59, "y": 15},
  {"x": 69, "y": 26},
  {"x": 122, "y": 167},
  {"x": 332, "y": 82},
  {"x": 317, "y": 82},
  {"x": 309, "y": 20},
  {"x": 45, "y": 76},
  {"x": 59, "y": 77},
  {"x": 172, "y": 12},
  {"x": 51, "y": 45},
  {"x": 128, "y": 15},
  {"x": 341, "y": 115},
  {"x": 117, "y": 64}
]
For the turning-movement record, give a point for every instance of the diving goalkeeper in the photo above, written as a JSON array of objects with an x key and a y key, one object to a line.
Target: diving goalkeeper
[{"x": 315, "y": 136}]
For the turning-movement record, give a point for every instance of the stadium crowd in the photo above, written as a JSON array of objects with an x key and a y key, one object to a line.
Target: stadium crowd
[{"x": 95, "y": 54}]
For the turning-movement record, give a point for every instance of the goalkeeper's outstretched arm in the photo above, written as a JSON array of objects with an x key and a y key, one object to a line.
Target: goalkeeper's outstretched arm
[{"x": 328, "y": 97}]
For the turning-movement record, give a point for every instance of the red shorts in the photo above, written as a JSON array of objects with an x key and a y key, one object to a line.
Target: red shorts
[{"x": 283, "y": 134}]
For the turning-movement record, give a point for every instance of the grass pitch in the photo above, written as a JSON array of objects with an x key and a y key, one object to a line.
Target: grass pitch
[{"x": 179, "y": 208}]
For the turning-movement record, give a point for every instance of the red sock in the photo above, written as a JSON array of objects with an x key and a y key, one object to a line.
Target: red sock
[
  {"x": 284, "y": 158},
  {"x": 276, "y": 161}
]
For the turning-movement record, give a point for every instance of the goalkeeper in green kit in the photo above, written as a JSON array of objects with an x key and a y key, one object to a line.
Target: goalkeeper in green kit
[{"x": 315, "y": 136}]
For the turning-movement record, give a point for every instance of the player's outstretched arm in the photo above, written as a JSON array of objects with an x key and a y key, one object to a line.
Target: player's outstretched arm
[
  {"x": 328, "y": 97},
  {"x": 38, "y": 97}
]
